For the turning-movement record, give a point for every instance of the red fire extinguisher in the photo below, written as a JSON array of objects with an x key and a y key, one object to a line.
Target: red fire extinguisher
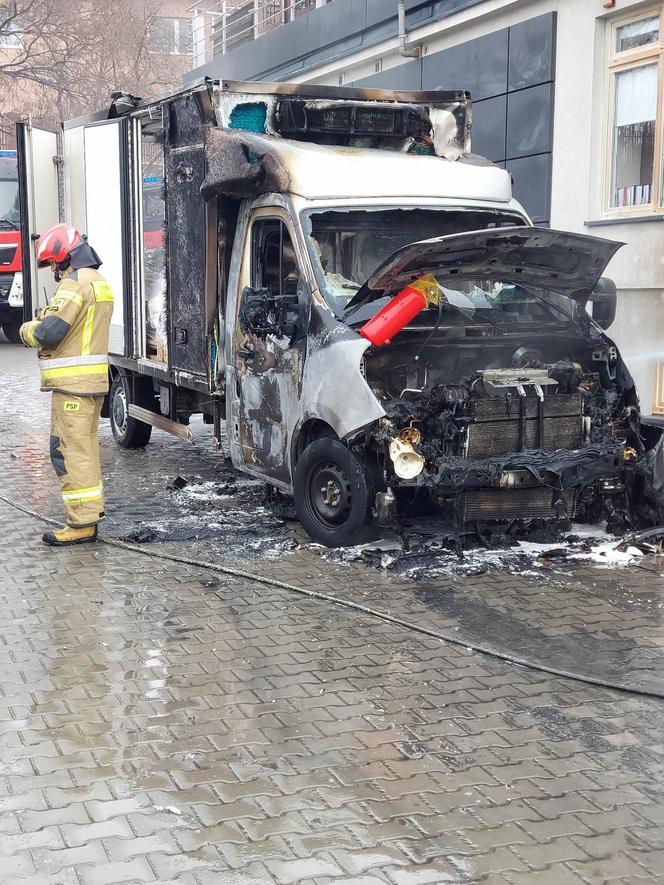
[{"x": 413, "y": 298}]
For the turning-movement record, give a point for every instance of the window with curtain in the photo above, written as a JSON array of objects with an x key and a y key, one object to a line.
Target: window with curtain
[{"x": 637, "y": 116}]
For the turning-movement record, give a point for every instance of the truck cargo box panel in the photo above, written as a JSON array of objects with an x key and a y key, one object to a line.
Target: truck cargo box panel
[{"x": 185, "y": 212}]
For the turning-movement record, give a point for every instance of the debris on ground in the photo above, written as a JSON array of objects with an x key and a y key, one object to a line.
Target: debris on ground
[
  {"x": 143, "y": 535},
  {"x": 435, "y": 557},
  {"x": 252, "y": 521},
  {"x": 233, "y": 512},
  {"x": 649, "y": 541},
  {"x": 171, "y": 809},
  {"x": 554, "y": 553}
]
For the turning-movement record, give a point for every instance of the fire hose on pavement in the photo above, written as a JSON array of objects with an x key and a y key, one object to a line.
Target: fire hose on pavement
[{"x": 358, "y": 607}]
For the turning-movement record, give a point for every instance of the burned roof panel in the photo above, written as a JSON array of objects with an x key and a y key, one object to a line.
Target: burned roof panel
[{"x": 244, "y": 163}]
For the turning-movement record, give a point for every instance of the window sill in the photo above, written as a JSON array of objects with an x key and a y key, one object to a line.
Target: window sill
[{"x": 629, "y": 219}]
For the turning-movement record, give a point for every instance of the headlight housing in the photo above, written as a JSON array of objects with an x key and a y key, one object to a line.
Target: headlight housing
[{"x": 407, "y": 463}]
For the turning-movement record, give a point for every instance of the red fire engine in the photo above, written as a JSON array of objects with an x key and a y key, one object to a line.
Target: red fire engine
[{"x": 11, "y": 281}]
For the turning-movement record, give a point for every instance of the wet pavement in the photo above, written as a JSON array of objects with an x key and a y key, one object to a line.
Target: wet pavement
[
  {"x": 582, "y": 616},
  {"x": 164, "y": 723}
]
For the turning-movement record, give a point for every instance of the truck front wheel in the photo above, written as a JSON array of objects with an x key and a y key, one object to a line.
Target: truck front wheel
[
  {"x": 128, "y": 432},
  {"x": 10, "y": 328},
  {"x": 334, "y": 495}
]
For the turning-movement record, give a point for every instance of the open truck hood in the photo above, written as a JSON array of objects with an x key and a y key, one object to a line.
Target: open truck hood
[{"x": 568, "y": 263}]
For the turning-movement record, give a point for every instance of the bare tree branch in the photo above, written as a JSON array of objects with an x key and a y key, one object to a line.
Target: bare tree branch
[{"x": 74, "y": 53}]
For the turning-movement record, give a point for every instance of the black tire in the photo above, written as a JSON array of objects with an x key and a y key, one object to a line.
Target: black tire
[
  {"x": 128, "y": 432},
  {"x": 10, "y": 328},
  {"x": 334, "y": 495}
]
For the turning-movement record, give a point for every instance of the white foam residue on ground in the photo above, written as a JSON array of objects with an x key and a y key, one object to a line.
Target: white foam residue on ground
[
  {"x": 209, "y": 491},
  {"x": 585, "y": 543},
  {"x": 604, "y": 551},
  {"x": 608, "y": 554}
]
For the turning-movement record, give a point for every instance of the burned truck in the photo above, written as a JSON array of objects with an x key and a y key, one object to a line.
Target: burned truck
[{"x": 334, "y": 277}]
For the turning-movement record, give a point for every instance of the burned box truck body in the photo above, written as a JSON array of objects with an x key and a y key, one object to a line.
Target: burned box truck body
[{"x": 336, "y": 277}]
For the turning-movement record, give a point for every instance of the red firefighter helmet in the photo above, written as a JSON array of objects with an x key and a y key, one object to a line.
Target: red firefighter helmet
[{"x": 56, "y": 243}]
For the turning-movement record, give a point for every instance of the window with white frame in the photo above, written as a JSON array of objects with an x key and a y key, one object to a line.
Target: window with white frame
[
  {"x": 171, "y": 36},
  {"x": 636, "y": 67}
]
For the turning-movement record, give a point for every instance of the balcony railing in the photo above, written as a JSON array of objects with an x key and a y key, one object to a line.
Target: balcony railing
[{"x": 222, "y": 25}]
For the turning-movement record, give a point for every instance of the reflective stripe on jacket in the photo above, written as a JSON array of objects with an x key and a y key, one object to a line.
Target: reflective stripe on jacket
[{"x": 72, "y": 335}]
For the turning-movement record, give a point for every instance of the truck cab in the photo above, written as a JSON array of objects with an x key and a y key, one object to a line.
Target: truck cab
[
  {"x": 257, "y": 234},
  {"x": 300, "y": 257}
]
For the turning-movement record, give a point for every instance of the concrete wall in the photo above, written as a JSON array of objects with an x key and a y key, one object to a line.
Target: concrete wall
[{"x": 578, "y": 135}]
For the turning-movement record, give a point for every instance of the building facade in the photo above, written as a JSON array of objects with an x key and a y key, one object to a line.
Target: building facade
[{"x": 568, "y": 96}]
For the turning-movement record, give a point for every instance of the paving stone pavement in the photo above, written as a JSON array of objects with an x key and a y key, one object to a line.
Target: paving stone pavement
[
  {"x": 161, "y": 723},
  {"x": 605, "y": 623}
]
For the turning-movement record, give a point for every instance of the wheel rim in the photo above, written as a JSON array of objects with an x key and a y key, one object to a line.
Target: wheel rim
[
  {"x": 119, "y": 410},
  {"x": 329, "y": 495}
]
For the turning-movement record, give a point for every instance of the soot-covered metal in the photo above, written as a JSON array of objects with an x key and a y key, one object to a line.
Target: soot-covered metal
[
  {"x": 185, "y": 165},
  {"x": 437, "y": 122},
  {"x": 241, "y": 164},
  {"x": 540, "y": 438}
]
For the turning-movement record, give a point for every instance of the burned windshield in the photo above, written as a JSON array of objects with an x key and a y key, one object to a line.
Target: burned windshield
[
  {"x": 495, "y": 304},
  {"x": 348, "y": 245}
]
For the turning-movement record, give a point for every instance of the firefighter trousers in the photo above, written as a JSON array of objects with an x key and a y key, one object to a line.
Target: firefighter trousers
[{"x": 75, "y": 456}]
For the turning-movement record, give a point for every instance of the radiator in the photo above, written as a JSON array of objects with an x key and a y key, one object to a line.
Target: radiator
[
  {"x": 478, "y": 505},
  {"x": 502, "y": 426}
]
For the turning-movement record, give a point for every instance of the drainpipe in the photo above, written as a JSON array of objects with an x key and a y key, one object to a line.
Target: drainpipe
[{"x": 403, "y": 50}]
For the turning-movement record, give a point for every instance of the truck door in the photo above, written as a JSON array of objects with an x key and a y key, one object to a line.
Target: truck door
[
  {"x": 38, "y": 160},
  {"x": 188, "y": 302},
  {"x": 94, "y": 185},
  {"x": 268, "y": 367},
  {"x": 106, "y": 185}
]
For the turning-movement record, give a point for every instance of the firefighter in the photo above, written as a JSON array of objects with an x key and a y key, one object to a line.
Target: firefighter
[{"x": 71, "y": 335}]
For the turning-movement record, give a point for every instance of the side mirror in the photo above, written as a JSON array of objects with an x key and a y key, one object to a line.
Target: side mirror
[
  {"x": 262, "y": 314},
  {"x": 604, "y": 300},
  {"x": 252, "y": 315}
]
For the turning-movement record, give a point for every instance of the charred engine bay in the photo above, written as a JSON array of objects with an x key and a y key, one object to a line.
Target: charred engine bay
[{"x": 512, "y": 431}]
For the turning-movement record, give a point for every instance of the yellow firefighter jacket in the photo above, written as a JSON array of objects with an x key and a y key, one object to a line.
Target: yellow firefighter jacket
[{"x": 72, "y": 335}]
